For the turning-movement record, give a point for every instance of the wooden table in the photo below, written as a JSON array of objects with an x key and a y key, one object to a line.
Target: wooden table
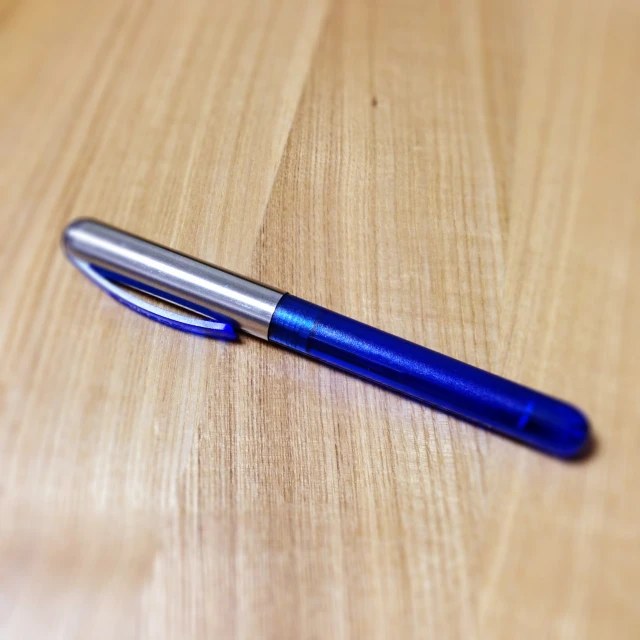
[{"x": 464, "y": 174}]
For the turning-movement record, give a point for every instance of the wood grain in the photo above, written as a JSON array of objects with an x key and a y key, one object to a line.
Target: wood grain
[{"x": 461, "y": 173}]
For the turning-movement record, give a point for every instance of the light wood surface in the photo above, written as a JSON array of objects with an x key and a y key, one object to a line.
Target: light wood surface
[{"x": 464, "y": 174}]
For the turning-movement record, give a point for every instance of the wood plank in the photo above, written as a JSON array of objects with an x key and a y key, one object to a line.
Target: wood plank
[{"x": 460, "y": 173}]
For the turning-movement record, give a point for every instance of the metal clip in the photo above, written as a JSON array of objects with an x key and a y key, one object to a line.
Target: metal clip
[{"x": 214, "y": 327}]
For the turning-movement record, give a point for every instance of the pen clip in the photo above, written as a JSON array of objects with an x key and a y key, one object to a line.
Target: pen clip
[{"x": 214, "y": 326}]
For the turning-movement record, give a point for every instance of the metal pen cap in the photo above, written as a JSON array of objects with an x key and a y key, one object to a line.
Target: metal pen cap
[{"x": 248, "y": 303}]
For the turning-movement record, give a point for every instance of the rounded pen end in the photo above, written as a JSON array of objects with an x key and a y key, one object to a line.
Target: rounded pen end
[
  {"x": 561, "y": 429},
  {"x": 72, "y": 232}
]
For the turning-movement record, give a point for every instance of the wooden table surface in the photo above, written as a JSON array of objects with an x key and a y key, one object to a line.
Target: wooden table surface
[{"x": 464, "y": 174}]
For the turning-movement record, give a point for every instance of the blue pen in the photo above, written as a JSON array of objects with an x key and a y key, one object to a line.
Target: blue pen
[{"x": 231, "y": 303}]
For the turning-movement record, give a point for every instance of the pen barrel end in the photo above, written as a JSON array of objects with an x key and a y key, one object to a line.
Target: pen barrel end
[{"x": 564, "y": 430}]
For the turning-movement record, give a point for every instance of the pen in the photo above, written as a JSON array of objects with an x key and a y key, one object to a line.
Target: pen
[{"x": 228, "y": 302}]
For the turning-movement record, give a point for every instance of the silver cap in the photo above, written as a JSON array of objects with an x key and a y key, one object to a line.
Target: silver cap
[{"x": 249, "y": 303}]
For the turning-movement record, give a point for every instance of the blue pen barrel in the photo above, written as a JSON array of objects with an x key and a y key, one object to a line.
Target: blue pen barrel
[{"x": 438, "y": 380}]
